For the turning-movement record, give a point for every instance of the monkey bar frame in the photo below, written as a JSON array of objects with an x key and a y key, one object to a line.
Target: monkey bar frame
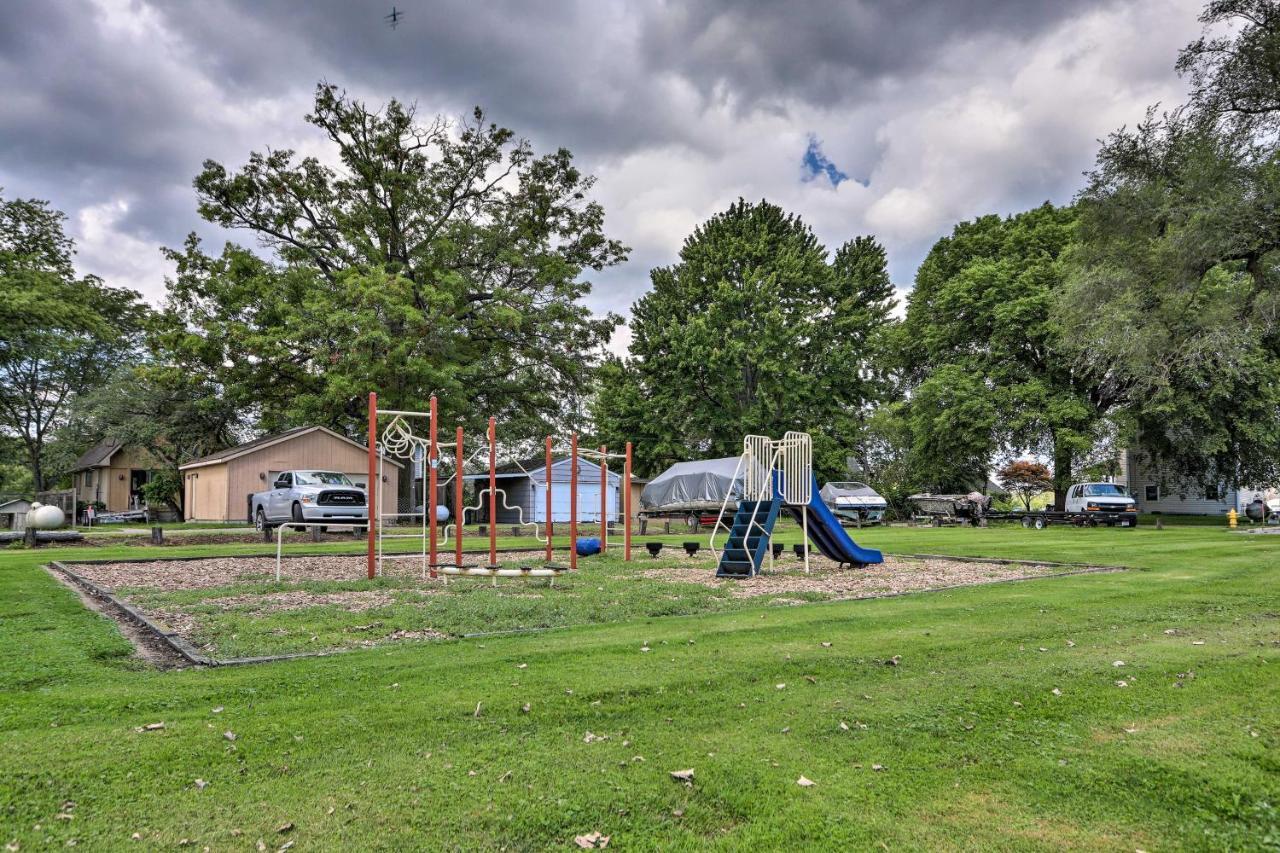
[{"x": 403, "y": 442}]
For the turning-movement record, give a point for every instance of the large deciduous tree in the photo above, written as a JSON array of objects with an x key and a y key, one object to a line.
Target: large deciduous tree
[
  {"x": 60, "y": 334},
  {"x": 984, "y": 353},
  {"x": 1173, "y": 298},
  {"x": 753, "y": 330},
  {"x": 432, "y": 258}
]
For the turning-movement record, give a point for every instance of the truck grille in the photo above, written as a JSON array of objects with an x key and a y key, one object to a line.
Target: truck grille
[{"x": 341, "y": 498}]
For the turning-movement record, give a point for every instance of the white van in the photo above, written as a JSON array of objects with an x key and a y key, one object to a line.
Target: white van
[{"x": 1099, "y": 497}]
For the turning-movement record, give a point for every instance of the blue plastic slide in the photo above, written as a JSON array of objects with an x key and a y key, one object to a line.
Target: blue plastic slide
[{"x": 827, "y": 534}]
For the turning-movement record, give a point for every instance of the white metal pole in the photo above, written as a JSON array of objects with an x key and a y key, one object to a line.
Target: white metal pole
[{"x": 804, "y": 521}]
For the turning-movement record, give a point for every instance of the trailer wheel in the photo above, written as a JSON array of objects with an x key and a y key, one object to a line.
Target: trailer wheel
[
  {"x": 936, "y": 521},
  {"x": 1026, "y": 521},
  {"x": 692, "y": 522},
  {"x": 1040, "y": 523},
  {"x": 1093, "y": 522}
]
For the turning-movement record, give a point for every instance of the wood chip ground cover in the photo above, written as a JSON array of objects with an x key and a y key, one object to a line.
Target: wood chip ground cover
[{"x": 233, "y": 607}]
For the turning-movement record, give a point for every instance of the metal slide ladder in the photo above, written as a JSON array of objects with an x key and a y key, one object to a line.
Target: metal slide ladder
[{"x": 749, "y": 538}]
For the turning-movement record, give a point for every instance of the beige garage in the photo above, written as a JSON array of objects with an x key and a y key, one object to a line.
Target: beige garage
[{"x": 217, "y": 487}]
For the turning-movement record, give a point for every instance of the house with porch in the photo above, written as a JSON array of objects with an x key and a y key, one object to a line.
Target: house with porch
[{"x": 112, "y": 474}]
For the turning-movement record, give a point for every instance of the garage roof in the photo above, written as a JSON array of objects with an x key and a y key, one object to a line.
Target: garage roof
[{"x": 267, "y": 441}]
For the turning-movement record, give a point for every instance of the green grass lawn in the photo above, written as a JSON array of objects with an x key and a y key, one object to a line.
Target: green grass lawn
[{"x": 429, "y": 745}]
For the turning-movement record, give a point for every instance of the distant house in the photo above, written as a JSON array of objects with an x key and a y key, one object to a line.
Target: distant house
[
  {"x": 522, "y": 487},
  {"x": 217, "y": 487},
  {"x": 1156, "y": 490},
  {"x": 113, "y": 474}
]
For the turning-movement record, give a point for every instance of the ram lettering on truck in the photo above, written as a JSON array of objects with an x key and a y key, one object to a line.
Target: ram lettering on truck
[{"x": 315, "y": 497}]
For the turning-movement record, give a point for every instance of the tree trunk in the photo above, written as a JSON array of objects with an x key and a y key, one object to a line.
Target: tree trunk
[
  {"x": 37, "y": 470},
  {"x": 1062, "y": 460}
]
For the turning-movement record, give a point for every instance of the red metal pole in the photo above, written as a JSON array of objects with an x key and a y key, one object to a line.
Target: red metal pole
[
  {"x": 458, "y": 514},
  {"x": 493, "y": 491},
  {"x": 573, "y": 502},
  {"x": 626, "y": 505},
  {"x": 433, "y": 460},
  {"x": 550, "y": 527},
  {"x": 604, "y": 499},
  {"x": 371, "y": 495}
]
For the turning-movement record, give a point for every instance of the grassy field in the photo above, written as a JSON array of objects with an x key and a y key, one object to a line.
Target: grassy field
[{"x": 1002, "y": 725}]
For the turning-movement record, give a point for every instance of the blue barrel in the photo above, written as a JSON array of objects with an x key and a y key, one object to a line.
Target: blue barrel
[{"x": 588, "y": 547}]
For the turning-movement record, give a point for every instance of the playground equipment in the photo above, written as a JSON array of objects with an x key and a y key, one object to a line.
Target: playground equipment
[
  {"x": 778, "y": 476},
  {"x": 397, "y": 439}
]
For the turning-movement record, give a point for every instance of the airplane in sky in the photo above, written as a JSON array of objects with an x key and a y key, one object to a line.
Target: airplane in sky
[{"x": 394, "y": 18}]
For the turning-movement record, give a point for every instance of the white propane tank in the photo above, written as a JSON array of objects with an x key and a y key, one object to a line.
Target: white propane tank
[
  {"x": 45, "y": 517},
  {"x": 442, "y": 513}
]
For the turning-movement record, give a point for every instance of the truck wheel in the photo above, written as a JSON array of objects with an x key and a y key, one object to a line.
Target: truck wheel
[
  {"x": 260, "y": 521},
  {"x": 297, "y": 514},
  {"x": 1040, "y": 523},
  {"x": 324, "y": 529}
]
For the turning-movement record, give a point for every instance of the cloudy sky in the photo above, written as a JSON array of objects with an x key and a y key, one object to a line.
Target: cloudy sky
[{"x": 896, "y": 118}]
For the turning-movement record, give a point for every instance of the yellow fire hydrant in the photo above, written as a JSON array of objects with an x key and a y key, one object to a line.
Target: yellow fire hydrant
[{"x": 1231, "y": 517}]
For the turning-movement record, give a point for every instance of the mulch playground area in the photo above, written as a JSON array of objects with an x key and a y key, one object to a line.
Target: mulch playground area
[{"x": 212, "y": 602}]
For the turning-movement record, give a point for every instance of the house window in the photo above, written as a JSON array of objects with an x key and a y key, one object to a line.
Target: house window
[
  {"x": 1213, "y": 492},
  {"x": 88, "y": 478},
  {"x": 1151, "y": 492}
]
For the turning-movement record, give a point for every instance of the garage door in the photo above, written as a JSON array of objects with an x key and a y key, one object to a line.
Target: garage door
[{"x": 588, "y": 503}]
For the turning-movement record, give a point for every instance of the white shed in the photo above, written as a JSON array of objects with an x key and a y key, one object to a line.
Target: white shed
[
  {"x": 522, "y": 486},
  {"x": 13, "y": 513}
]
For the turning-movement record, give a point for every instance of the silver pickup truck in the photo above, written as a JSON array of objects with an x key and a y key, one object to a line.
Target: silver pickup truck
[{"x": 309, "y": 496}]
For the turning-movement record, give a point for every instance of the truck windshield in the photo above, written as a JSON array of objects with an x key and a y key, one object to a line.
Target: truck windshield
[
  {"x": 322, "y": 478},
  {"x": 1104, "y": 490}
]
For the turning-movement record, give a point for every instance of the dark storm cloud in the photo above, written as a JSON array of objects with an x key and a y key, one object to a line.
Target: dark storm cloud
[
  {"x": 826, "y": 52},
  {"x": 85, "y": 121},
  {"x": 110, "y": 106},
  {"x": 564, "y": 73}
]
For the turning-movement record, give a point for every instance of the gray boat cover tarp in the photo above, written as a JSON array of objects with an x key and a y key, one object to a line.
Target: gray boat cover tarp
[
  {"x": 832, "y": 493},
  {"x": 701, "y": 484}
]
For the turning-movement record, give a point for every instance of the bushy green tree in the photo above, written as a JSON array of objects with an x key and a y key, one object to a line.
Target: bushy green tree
[
  {"x": 60, "y": 334},
  {"x": 983, "y": 353},
  {"x": 433, "y": 259},
  {"x": 1174, "y": 292},
  {"x": 753, "y": 330}
]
